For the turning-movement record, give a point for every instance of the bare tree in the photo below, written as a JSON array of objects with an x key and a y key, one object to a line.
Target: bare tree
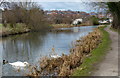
[
  {"x": 1, "y": 2},
  {"x": 113, "y": 8},
  {"x": 28, "y": 13}
]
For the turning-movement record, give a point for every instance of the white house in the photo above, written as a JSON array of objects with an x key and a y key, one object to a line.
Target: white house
[
  {"x": 103, "y": 22},
  {"x": 77, "y": 21},
  {"x": 110, "y": 20}
]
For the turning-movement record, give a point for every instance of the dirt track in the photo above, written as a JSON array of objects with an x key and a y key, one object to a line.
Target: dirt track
[{"x": 109, "y": 66}]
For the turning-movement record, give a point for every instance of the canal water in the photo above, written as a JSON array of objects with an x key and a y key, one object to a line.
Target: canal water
[{"x": 30, "y": 47}]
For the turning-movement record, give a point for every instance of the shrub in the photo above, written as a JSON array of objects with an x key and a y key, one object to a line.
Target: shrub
[{"x": 94, "y": 20}]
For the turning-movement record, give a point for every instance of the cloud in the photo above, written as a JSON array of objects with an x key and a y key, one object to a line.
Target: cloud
[
  {"x": 63, "y": 0},
  {"x": 75, "y": 6}
]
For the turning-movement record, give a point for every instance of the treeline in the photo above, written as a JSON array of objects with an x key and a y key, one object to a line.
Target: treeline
[
  {"x": 110, "y": 7},
  {"x": 62, "y": 18},
  {"x": 27, "y": 13},
  {"x": 58, "y": 19},
  {"x": 67, "y": 18}
]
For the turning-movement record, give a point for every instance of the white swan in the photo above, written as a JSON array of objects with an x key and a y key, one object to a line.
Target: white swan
[
  {"x": 19, "y": 64},
  {"x": 54, "y": 56}
]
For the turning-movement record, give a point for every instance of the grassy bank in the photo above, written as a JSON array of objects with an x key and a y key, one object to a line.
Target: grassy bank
[
  {"x": 96, "y": 56},
  {"x": 67, "y": 25},
  {"x": 19, "y": 29},
  {"x": 61, "y": 25},
  {"x": 116, "y": 30}
]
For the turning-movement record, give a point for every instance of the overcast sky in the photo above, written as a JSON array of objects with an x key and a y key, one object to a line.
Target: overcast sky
[
  {"x": 75, "y": 6},
  {"x": 64, "y": 0}
]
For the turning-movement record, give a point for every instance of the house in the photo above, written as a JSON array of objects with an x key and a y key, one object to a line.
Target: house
[
  {"x": 77, "y": 21},
  {"x": 104, "y": 21}
]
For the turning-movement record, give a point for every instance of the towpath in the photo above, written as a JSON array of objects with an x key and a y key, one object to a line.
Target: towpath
[{"x": 109, "y": 66}]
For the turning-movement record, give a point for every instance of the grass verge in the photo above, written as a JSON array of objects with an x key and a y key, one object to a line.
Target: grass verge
[
  {"x": 68, "y": 25},
  {"x": 96, "y": 56},
  {"x": 116, "y": 30}
]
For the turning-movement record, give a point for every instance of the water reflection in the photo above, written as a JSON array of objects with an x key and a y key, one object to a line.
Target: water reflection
[
  {"x": 31, "y": 46},
  {"x": 22, "y": 47},
  {"x": 1, "y": 58}
]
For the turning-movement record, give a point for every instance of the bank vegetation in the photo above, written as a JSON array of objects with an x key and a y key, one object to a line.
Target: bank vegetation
[
  {"x": 28, "y": 15},
  {"x": 88, "y": 66}
]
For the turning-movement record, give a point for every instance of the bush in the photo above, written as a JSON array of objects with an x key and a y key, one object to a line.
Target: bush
[{"x": 94, "y": 20}]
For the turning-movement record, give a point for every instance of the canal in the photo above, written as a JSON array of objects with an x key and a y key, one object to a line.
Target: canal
[{"x": 30, "y": 47}]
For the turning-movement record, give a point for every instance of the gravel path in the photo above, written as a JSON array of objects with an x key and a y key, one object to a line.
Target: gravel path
[{"x": 109, "y": 66}]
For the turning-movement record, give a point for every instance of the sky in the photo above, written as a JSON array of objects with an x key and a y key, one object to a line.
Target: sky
[
  {"x": 74, "y": 6},
  {"x": 62, "y": 0}
]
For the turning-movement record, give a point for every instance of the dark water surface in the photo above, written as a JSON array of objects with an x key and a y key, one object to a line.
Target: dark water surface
[{"x": 30, "y": 47}]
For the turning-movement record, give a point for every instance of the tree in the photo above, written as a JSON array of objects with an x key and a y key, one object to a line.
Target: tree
[
  {"x": 9, "y": 17},
  {"x": 114, "y": 8},
  {"x": 28, "y": 13},
  {"x": 94, "y": 20},
  {"x": 1, "y": 2}
]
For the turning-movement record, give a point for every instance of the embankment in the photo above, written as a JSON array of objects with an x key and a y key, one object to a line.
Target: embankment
[
  {"x": 5, "y": 34},
  {"x": 21, "y": 29},
  {"x": 88, "y": 66}
]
